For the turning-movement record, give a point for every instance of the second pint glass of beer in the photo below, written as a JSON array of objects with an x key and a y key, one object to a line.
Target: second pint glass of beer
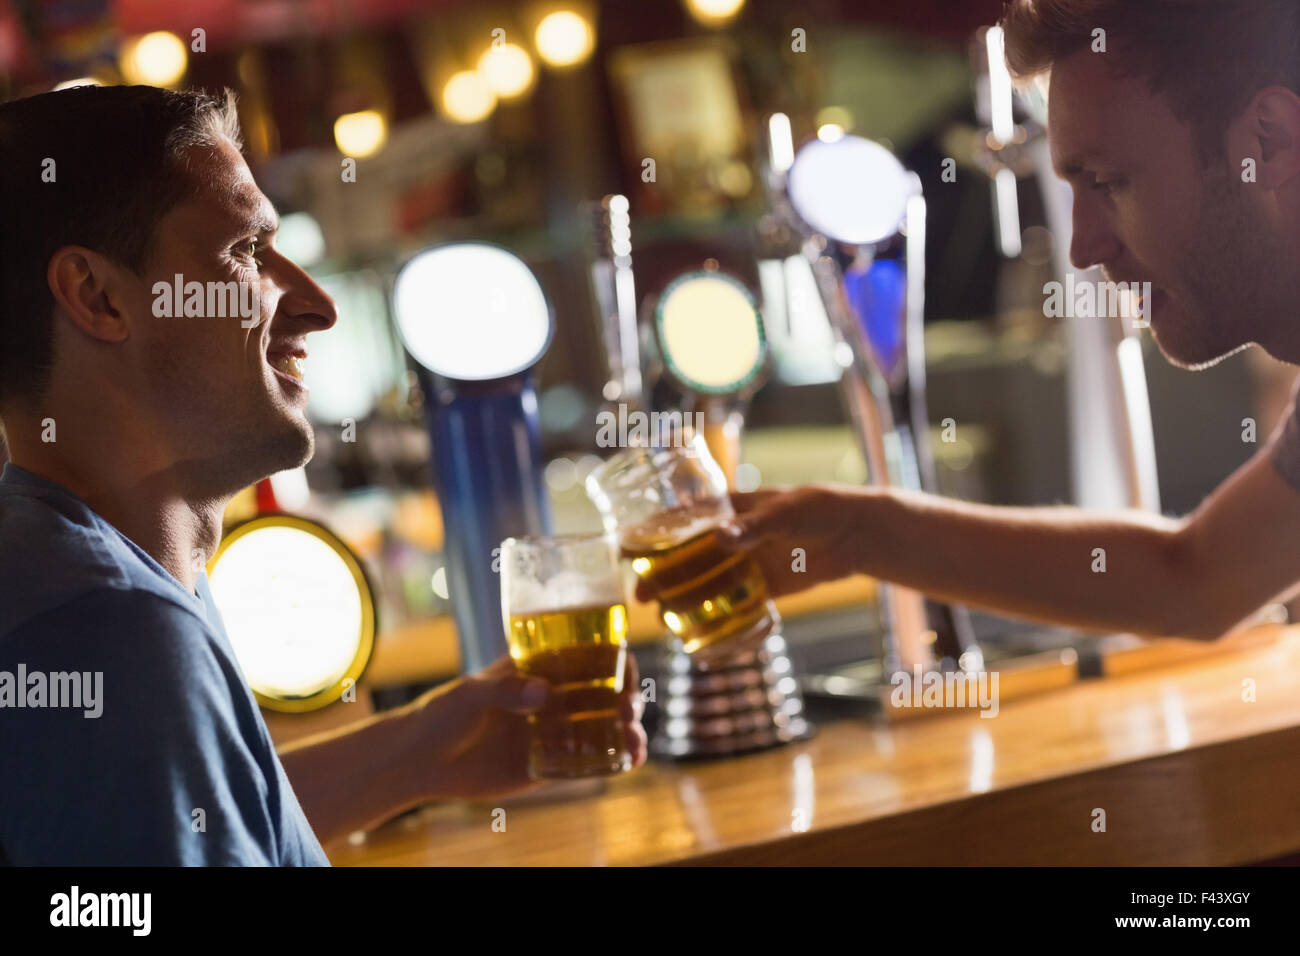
[
  {"x": 566, "y": 622},
  {"x": 666, "y": 504}
]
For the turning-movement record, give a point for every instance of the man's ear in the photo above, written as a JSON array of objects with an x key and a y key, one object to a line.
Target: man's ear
[
  {"x": 88, "y": 288},
  {"x": 1273, "y": 128}
]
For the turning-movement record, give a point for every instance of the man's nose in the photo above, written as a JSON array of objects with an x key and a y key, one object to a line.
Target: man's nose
[
  {"x": 1093, "y": 241},
  {"x": 303, "y": 299}
]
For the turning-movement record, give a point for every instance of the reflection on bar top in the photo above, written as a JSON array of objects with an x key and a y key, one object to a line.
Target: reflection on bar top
[{"x": 1188, "y": 771}]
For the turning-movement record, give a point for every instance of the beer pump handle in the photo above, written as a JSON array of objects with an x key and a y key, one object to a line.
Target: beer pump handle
[
  {"x": 908, "y": 639},
  {"x": 615, "y": 290},
  {"x": 951, "y": 623},
  {"x": 954, "y": 635}
]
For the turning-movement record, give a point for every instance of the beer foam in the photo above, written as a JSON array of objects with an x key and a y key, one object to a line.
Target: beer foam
[
  {"x": 567, "y": 589},
  {"x": 667, "y": 529}
]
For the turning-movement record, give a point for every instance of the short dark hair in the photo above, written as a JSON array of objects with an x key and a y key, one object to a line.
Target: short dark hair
[
  {"x": 1206, "y": 57},
  {"x": 92, "y": 166}
]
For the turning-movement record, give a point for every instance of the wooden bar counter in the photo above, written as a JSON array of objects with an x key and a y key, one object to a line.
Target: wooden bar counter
[{"x": 1196, "y": 762}]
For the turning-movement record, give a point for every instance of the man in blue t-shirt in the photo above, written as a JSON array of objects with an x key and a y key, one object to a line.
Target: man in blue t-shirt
[{"x": 129, "y": 431}]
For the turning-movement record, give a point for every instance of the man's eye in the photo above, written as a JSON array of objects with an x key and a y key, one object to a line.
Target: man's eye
[
  {"x": 1109, "y": 186},
  {"x": 250, "y": 250}
]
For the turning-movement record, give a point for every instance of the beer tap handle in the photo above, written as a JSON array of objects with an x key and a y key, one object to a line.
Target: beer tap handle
[
  {"x": 615, "y": 290},
  {"x": 951, "y": 623},
  {"x": 907, "y": 645}
]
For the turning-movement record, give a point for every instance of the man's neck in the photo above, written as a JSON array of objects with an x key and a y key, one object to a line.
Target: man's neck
[
  {"x": 160, "y": 510},
  {"x": 180, "y": 534}
]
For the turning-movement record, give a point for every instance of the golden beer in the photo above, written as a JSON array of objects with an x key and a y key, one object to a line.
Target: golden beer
[
  {"x": 582, "y": 653},
  {"x": 706, "y": 594}
]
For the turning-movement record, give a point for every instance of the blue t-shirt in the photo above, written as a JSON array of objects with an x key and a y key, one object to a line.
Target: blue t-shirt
[{"x": 156, "y": 752}]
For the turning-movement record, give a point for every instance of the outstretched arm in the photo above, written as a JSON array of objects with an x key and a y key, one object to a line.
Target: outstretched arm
[{"x": 1197, "y": 577}]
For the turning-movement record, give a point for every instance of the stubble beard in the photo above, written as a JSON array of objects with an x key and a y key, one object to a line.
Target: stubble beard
[
  {"x": 1232, "y": 281},
  {"x": 231, "y": 445}
]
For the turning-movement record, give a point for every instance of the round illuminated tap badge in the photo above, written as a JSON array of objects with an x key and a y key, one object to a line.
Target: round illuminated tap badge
[
  {"x": 297, "y": 608},
  {"x": 849, "y": 189},
  {"x": 471, "y": 311},
  {"x": 710, "y": 333}
]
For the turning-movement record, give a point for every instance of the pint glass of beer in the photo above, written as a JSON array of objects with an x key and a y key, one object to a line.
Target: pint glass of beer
[
  {"x": 566, "y": 622},
  {"x": 665, "y": 505}
]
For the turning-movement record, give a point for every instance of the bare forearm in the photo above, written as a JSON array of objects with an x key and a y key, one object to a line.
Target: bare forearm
[
  {"x": 1040, "y": 563},
  {"x": 355, "y": 777}
]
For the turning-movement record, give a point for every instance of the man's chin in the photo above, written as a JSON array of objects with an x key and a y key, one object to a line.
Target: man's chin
[
  {"x": 299, "y": 444},
  {"x": 292, "y": 430},
  {"x": 285, "y": 443},
  {"x": 1188, "y": 353}
]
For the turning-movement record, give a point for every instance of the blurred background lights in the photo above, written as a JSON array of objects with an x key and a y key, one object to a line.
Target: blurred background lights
[
  {"x": 735, "y": 179},
  {"x": 561, "y": 474},
  {"x": 439, "y": 584},
  {"x": 780, "y": 142},
  {"x": 508, "y": 70},
  {"x": 714, "y": 12},
  {"x": 834, "y": 116},
  {"x": 291, "y": 489},
  {"x": 585, "y": 466},
  {"x": 564, "y": 38},
  {"x": 155, "y": 59},
  {"x": 360, "y": 134},
  {"x": 620, "y": 228},
  {"x": 300, "y": 239},
  {"x": 748, "y": 477},
  {"x": 468, "y": 97}
]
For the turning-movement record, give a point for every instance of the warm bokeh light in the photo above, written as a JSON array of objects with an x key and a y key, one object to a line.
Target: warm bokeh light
[
  {"x": 508, "y": 70},
  {"x": 155, "y": 59},
  {"x": 834, "y": 116},
  {"x": 564, "y": 38},
  {"x": 361, "y": 134},
  {"x": 468, "y": 97},
  {"x": 714, "y": 12}
]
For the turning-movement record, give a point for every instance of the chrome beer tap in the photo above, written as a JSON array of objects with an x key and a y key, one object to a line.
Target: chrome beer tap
[{"x": 863, "y": 218}]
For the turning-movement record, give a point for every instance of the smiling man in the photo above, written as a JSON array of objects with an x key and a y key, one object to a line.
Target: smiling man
[
  {"x": 129, "y": 431},
  {"x": 1180, "y": 133}
]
